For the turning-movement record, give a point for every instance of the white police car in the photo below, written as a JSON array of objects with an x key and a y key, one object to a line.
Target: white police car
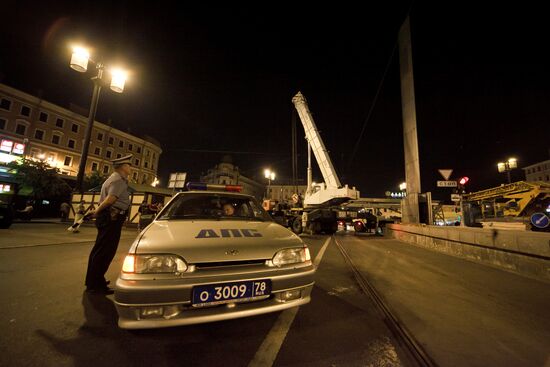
[{"x": 209, "y": 256}]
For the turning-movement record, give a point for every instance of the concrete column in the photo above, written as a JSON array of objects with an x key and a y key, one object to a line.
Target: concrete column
[{"x": 410, "y": 213}]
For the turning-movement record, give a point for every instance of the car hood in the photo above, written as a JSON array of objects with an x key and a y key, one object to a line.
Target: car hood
[{"x": 216, "y": 241}]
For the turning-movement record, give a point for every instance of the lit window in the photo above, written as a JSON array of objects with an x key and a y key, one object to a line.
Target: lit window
[
  {"x": 18, "y": 148},
  {"x": 6, "y": 145}
]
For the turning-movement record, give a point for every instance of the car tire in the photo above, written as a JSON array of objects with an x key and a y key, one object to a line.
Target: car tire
[{"x": 296, "y": 226}]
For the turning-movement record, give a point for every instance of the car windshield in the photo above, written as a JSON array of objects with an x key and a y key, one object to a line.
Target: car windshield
[{"x": 214, "y": 206}]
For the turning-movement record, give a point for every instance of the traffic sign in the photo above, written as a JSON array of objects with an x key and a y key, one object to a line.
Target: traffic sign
[
  {"x": 446, "y": 173},
  {"x": 455, "y": 197},
  {"x": 177, "y": 180},
  {"x": 446, "y": 184},
  {"x": 540, "y": 220}
]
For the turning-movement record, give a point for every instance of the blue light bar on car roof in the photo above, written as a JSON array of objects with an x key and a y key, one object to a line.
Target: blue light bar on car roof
[{"x": 212, "y": 187}]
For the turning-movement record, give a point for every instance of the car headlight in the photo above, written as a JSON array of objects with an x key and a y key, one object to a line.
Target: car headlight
[
  {"x": 151, "y": 264},
  {"x": 291, "y": 256}
]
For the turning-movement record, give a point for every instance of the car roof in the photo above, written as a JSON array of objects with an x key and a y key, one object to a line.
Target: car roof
[{"x": 225, "y": 193}]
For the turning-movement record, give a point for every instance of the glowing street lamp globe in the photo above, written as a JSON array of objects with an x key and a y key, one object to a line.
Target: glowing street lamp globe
[
  {"x": 118, "y": 79},
  {"x": 79, "y": 59}
]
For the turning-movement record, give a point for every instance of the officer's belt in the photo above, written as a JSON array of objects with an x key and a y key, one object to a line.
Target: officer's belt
[{"x": 118, "y": 210}]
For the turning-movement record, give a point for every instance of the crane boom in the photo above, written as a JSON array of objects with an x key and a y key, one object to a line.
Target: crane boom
[
  {"x": 331, "y": 191},
  {"x": 316, "y": 143}
]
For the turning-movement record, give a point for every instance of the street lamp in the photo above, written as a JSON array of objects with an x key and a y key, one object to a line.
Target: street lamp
[
  {"x": 270, "y": 175},
  {"x": 79, "y": 62},
  {"x": 507, "y": 167}
]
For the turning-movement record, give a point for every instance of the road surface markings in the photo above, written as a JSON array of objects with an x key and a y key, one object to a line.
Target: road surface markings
[{"x": 266, "y": 354}]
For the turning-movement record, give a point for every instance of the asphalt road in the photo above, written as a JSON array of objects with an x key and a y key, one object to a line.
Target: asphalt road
[{"x": 462, "y": 313}]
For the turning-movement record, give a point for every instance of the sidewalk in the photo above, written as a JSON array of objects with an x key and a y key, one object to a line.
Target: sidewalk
[
  {"x": 51, "y": 232},
  {"x": 67, "y": 223}
]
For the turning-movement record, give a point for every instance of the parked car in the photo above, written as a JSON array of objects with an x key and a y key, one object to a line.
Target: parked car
[
  {"x": 6, "y": 215},
  {"x": 210, "y": 256}
]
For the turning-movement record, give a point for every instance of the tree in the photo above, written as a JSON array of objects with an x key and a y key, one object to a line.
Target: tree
[
  {"x": 93, "y": 180},
  {"x": 44, "y": 179}
]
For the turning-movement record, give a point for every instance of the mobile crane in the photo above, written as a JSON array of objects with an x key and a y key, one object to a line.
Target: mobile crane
[{"x": 319, "y": 210}]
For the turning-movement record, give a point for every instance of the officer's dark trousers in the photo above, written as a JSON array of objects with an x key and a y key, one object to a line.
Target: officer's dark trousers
[{"x": 104, "y": 250}]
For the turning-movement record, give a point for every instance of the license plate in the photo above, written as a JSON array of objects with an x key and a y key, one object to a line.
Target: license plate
[{"x": 213, "y": 294}]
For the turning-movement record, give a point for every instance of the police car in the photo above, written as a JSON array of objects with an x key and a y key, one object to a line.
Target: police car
[{"x": 211, "y": 254}]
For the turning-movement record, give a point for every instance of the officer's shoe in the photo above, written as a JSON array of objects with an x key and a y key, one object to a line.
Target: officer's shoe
[{"x": 100, "y": 290}]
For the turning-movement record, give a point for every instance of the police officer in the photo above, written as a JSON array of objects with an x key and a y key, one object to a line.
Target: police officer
[{"x": 110, "y": 215}]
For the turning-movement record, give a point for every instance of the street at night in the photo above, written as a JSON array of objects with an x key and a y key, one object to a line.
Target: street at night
[
  {"x": 308, "y": 185},
  {"x": 456, "y": 311}
]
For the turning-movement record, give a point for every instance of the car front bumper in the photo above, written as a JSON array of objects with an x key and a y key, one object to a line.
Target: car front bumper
[{"x": 168, "y": 301}]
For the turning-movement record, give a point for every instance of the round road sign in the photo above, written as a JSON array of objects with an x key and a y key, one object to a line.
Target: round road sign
[{"x": 540, "y": 220}]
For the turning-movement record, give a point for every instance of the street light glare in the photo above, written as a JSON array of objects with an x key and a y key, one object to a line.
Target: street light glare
[
  {"x": 118, "y": 79},
  {"x": 79, "y": 59}
]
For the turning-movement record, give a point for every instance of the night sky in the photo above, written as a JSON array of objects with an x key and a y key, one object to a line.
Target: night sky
[{"x": 208, "y": 80}]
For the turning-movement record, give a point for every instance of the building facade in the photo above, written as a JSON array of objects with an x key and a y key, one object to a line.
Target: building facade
[
  {"x": 226, "y": 173},
  {"x": 538, "y": 172},
  {"x": 37, "y": 129}
]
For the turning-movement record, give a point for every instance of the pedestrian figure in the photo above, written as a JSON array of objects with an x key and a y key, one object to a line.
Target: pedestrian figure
[
  {"x": 26, "y": 214},
  {"x": 78, "y": 217},
  {"x": 144, "y": 215},
  {"x": 65, "y": 209},
  {"x": 110, "y": 215}
]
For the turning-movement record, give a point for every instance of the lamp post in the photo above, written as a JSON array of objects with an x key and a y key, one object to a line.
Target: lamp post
[
  {"x": 507, "y": 166},
  {"x": 79, "y": 62},
  {"x": 270, "y": 175}
]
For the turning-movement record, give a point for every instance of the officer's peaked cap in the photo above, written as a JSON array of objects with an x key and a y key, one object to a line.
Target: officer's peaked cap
[{"x": 127, "y": 159}]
